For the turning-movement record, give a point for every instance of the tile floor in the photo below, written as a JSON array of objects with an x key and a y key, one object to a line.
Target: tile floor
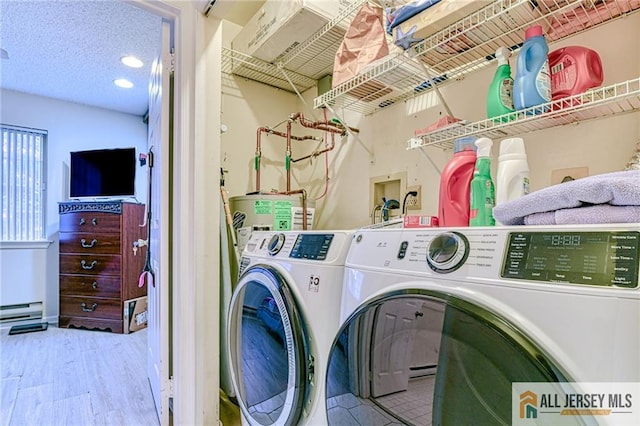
[{"x": 412, "y": 406}]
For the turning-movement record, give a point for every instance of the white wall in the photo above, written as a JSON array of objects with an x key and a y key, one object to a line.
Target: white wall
[
  {"x": 70, "y": 127},
  {"x": 245, "y": 107},
  {"x": 22, "y": 276}
]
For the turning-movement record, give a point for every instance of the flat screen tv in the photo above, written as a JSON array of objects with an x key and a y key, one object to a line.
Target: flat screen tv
[{"x": 103, "y": 173}]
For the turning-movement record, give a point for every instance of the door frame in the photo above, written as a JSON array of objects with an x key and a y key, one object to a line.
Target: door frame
[{"x": 196, "y": 209}]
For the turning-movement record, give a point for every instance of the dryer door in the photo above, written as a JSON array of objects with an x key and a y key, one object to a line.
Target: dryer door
[
  {"x": 424, "y": 357},
  {"x": 268, "y": 349}
]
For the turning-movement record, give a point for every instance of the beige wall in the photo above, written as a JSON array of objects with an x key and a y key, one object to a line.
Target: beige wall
[
  {"x": 379, "y": 149},
  {"x": 247, "y": 105}
]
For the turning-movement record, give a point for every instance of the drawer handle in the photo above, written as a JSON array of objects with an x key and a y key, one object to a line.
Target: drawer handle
[
  {"x": 85, "y": 266},
  {"x": 94, "y": 221},
  {"x": 91, "y": 309},
  {"x": 85, "y": 245},
  {"x": 94, "y": 285}
]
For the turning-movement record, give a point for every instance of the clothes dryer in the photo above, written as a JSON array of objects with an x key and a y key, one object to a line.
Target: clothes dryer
[
  {"x": 438, "y": 324},
  {"x": 283, "y": 317}
]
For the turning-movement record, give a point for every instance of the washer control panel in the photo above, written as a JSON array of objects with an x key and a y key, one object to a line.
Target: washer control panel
[
  {"x": 605, "y": 256},
  {"x": 311, "y": 246},
  {"x": 592, "y": 258},
  {"x": 447, "y": 252},
  {"x": 322, "y": 248}
]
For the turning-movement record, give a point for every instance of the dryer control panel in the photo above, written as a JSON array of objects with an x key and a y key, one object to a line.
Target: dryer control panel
[
  {"x": 328, "y": 247},
  {"x": 592, "y": 258}
]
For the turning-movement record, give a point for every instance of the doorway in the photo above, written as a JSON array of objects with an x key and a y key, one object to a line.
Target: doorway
[{"x": 195, "y": 208}]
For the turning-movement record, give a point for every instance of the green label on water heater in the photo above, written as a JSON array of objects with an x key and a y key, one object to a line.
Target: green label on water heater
[
  {"x": 282, "y": 215},
  {"x": 262, "y": 207}
]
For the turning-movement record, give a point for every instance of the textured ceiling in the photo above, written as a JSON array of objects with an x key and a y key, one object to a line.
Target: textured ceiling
[{"x": 71, "y": 50}]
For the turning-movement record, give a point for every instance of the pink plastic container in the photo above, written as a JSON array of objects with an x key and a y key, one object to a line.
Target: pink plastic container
[
  {"x": 574, "y": 70},
  {"x": 455, "y": 184}
]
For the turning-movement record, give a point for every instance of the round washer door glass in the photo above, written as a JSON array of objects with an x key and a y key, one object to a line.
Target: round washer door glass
[
  {"x": 267, "y": 349},
  {"x": 426, "y": 358}
]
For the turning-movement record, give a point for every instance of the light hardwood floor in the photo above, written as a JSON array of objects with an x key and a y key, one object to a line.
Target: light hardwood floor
[{"x": 74, "y": 377}]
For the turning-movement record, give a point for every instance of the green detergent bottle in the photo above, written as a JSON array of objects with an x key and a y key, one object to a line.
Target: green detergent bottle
[
  {"x": 482, "y": 196},
  {"x": 500, "y": 96}
]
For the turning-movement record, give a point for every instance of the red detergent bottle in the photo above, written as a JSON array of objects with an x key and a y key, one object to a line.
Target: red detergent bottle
[
  {"x": 574, "y": 70},
  {"x": 455, "y": 184}
]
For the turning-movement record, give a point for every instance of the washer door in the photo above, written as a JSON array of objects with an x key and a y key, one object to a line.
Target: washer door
[
  {"x": 268, "y": 349},
  {"x": 424, "y": 357}
]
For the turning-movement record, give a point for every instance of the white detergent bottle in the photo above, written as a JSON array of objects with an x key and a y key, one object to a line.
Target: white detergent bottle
[{"x": 513, "y": 171}]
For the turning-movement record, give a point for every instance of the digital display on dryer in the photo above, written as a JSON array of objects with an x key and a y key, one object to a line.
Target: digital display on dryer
[
  {"x": 592, "y": 258},
  {"x": 311, "y": 246}
]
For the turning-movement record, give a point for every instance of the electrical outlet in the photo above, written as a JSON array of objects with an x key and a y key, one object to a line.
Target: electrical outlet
[{"x": 414, "y": 203}]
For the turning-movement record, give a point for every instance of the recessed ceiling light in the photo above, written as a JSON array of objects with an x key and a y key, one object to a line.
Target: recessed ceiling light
[
  {"x": 123, "y": 82},
  {"x": 131, "y": 61}
]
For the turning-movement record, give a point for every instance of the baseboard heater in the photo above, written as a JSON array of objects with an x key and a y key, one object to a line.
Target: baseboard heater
[
  {"x": 20, "y": 312},
  {"x": 422, "y": 370}
]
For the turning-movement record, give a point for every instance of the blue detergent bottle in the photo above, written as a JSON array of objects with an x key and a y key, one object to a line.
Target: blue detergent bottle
[{"x": 532, "y": 85}]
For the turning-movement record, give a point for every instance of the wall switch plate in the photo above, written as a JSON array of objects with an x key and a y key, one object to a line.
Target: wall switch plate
[{"x": 414, "y": 203}]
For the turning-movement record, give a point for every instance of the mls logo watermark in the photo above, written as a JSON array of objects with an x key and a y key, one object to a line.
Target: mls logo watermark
[
  {"x": 528, "y": 405},
  {"x": 572, "y": 403}
]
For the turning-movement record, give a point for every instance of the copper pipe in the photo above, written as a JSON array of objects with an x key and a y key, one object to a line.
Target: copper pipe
[
  {"x": 328, "y": 126},
  {"x": 258, "y": 154},
  {"x": 314, "y": 125},
  {"x": 318, "y": 125},
  {"x": 257, "y": 158},
  {"x": 313, "y": 154},
  {"x": 304, "y": 206},
  {"x": 324, "y": 125},
  {"x": 316, "y": 153},
  {"x": 284, "y": 135},
  {"x": 294, "y": 116}
]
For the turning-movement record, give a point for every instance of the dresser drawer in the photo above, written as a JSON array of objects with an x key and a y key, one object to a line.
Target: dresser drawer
[
  {"x": 90, "y": 264},
  {"x": 98, "y": 270},
  {"x": 90, "y": 285},
  {"x": 102, "y": 324},
  {"x": 80, "y": 242},
  {"x": 90, "y": 307},
  {"x": 90, "y": 222}
]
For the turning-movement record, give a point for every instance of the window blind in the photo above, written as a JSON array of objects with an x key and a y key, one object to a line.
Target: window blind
[{"x": 22, "y": 174}]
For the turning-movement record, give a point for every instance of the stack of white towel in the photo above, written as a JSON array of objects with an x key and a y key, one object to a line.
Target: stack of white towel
[{"x": 607, "y": 198}]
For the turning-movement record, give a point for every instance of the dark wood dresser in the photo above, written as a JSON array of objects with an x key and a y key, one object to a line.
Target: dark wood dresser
[{"x": 98, "y": 268}]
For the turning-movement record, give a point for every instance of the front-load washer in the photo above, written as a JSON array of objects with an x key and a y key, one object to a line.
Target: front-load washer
[
  {"x": 438, "y": 324},
  {"x": 284, "y": 315}
]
